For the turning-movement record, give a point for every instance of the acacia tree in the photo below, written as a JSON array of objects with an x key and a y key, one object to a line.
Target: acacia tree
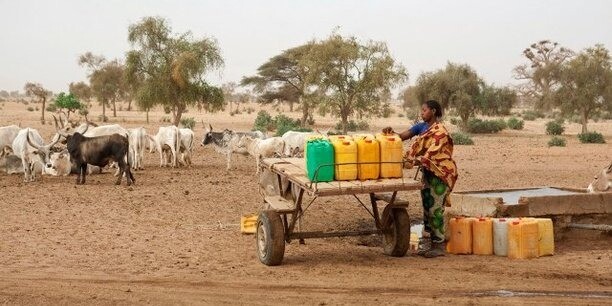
[
  {"x": 586, "y": 84},
  {"x": 285, "y": 78},
  {"x": 353, "y": 76},
  {"x": 496, "y": 101},
  {"x": 38, "y": 91},
  {"x": 456, "y": 86},
  {"x": 168, "y": 69},
  {"x": 542, "y": 72},
  {"x": 80, "y": 90},
  {"x": 106, "y": 79}
]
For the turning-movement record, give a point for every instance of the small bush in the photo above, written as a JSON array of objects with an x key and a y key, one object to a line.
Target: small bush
[
  {"x": 556, "y": 141},
  {"x": 351, "y": 126},
  {"x": 591, "y": 137},
  {"x": 516, "y": 123},
  {"x": 554, "y": 127},
  {"x": 310, "y": 121},
  {"x": 167, "y": 110},
  {"x": 401, "y": 115},
  {"x": 284, "y": 124},
  {"x": 263, "y": 122},
  {"x": 479, "y": 126},
  {"x": 51, "y": 108},
  {"x": 83, "y": 111},
  {"x": 462, "y": 139},
  {"x": 363, "y": 125},
  {"x": 531, "y": 115},
  {"x": 30, "y": 109},
  {"x": 188, "y": 123},
  {"x": 454, "y": 121},
  {"x": 36, "y": 108}
]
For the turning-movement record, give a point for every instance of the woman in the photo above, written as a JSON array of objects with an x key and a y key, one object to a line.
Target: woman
[{"x": 433, "y": 150}]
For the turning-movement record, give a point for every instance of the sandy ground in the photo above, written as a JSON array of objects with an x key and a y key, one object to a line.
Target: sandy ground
[{"x": 174, "y": 237}]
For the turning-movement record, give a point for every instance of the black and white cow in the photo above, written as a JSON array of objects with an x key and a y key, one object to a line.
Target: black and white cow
[{"x": 228, "y": 142}]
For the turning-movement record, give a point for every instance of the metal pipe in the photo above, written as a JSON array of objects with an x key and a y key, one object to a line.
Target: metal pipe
[{"x": 598, "y": 227}]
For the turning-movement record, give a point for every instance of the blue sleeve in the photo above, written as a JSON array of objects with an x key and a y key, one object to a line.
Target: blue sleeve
[{"x": 419, "y": 128}]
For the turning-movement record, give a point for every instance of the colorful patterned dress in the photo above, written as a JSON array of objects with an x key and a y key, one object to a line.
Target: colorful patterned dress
[{"x": 434, "y": 151}]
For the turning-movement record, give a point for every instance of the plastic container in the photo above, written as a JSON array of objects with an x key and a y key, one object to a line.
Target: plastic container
[
  {"x": 368, "y": 151},
  {"x": 523, "y": 239},
  {"x": 309, "y": 138},
  {"x": 391, "y": 150},
  {"x": 319, "y": 152},
  {"x": 248, "y": 224},
  {"x": 334, "y": 138},
  {"x": 362, "y": 136},
  {"x": 546, "y": 237},
  {"x": 460, "y": 235},
  {"x": 345, "y": 151},
  {"x": 482, "y": 236},
  {"x": 500, "y": 236}
]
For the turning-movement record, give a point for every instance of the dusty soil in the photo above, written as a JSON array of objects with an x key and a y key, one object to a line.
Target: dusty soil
[{"x": 174, "y": 237}]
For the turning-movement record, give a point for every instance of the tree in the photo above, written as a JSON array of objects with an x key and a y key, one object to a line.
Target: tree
[
  {"x": 457, "y": 86},
  {"x": 542, "y": 72},
  {"x": 496, "y": 101},
  {"x": 4, "y": 94},
  {"x": 169, "y": 69},
  {"x": 80, "y": 90},
  {"x": 69, "y": 102},
  {"x": 586, "y": 84},
  {"x": 38, "y": 91},
  {"x": 353, "y": 77},
  {"x": 286, "y": 78},
  {"x": 106, "y": 79},
  {"x": 229, "y": 90}
]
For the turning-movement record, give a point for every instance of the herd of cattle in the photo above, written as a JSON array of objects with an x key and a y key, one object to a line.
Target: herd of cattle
[{"x": 87, "y": 148}]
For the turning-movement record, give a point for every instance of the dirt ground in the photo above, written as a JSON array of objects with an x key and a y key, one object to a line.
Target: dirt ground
[{"x": 174, "y": 237}]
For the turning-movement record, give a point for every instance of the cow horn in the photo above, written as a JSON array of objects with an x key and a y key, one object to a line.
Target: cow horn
[
  {"x": 57, "y": 128},
  {"x": 609, "y": 168},
  {"x": 30, "y": 142},
  {"x": 86, "y": 128},
  {"x": 210, "y": 127},
  {"x": 57, "y": 138}
]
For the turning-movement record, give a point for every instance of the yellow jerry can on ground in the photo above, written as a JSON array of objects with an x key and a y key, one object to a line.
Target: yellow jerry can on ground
[
  {"x": 523, "y": 239},
  {"x": 546, "y": 237},
  {"x": 248, "y": 224}
]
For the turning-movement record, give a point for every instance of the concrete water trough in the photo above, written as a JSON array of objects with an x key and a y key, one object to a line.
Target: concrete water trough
[{"x": 529, "y": 202}]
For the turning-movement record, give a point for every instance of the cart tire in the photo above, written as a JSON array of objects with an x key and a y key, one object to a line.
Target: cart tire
[
  {"x": 270, "y": 238},
  {"x": 396, "y": 236}
]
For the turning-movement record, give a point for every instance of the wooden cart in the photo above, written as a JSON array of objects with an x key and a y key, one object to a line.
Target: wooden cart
[{"x": 277, "y": 223}]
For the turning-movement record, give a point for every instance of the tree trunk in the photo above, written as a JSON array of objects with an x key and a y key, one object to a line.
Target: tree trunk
[
  {"x": 129, "y": 105},
  {"x": 114, "y": 108},
  {"x": 147, "y": 116},
  {"x": 305, "y": 112},
  {"x": 42, "y": 116},
  {"x": 103, "y": 111},
  {"x": 178, "y": 114},
  {"x": 291, "y": 106},
  {"x": 464, "y": 122},
  {"x": 584, "y": 121}
]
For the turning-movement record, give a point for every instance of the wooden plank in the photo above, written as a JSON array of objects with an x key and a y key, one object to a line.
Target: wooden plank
[{"x": 279, "y": 204}]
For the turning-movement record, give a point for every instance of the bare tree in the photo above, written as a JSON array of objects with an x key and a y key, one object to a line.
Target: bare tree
[{"x": 38, "y": 91}]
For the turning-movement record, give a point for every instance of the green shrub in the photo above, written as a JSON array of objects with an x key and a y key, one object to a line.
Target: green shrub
[
  {"x": 515, "y": 123},
  {"x": 531, "y": 115},
  {"x": 51, "y": 108},
  {"x": 30, "y": 109},
  {"x": 556, "y": 141},
  {"x": 554, "y": 127},
  {"x": 455, "y": 121},
  {"x": 68, "y": 102},
  {"x": 263, "y": 122},
  {"x": 479, "y": 126},
  {"x": 400, "y": 115},
  {"x": 591, "y": 137},
  {"x": 285, "y": 124},
  {"x": 363, "y": 125},
  {"x": 351, "y": 126},
  {"x": 462, "y": 139},
  {"x": 188, "y": 123}
]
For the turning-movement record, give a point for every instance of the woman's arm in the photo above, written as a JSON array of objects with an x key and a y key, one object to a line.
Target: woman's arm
[{"x": 407, "y": 134}]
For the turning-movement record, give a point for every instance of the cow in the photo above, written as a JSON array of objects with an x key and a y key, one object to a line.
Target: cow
[
  {"x": 295, "y": 142},
  {"x": 99, "y": 151},
  {"x": 228, "y": 142},
  {"x": 150, "y": 144},
  {"x": 168, "y": 139},
  {"x": 61, "y": 165},
  {"x": 603, "y": 181},
  {"x": 137, "y": 139},
  {"x": 30, "y": 147},
  {"x": 9, "y": 162},
  {"x": 8, "y": 134},
  {"x": 186, "y": 146},
  {"x": 263, "y": 148}
]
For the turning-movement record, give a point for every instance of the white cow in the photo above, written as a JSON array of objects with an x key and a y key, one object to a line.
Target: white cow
[
  {"x": 263, "y": 148},
  {"x": 30, "y": 147},
  {"x": 61, "y": 165},
  {"x": 186, "y": 146},
  {"x": 137, "y": 140},
  {"x": 603, "y": 181},
  {"x": 296, "y": 141},
  {"x": 8, "y": 134},
  {"x": 168, "y": 139},
  {"x": 9, "y": 162}
]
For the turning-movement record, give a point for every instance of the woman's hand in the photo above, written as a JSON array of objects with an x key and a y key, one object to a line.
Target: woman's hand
[{"x": 388, "y": 130}]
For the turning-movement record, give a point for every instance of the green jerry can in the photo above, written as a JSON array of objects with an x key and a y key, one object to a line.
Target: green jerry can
[{"x": 320, "y": 152}]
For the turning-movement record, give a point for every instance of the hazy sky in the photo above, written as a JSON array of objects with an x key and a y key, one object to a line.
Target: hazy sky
[{"x": 41, "y": 40}]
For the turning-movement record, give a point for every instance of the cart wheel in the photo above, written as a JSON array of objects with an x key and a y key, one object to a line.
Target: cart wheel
[
  {"x": 270, "y": 238},
  {"x": 396, "y": 234}
]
